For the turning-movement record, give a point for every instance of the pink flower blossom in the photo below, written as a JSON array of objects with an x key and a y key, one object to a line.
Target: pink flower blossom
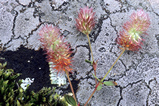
[
  {"x": 130, "y": 36},
  {"x": 56, "y": 49},
  {"x": 86, "y": 20}
]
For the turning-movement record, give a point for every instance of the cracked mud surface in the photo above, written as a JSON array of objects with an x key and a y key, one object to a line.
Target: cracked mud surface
[{"x": 137, "y": 73}]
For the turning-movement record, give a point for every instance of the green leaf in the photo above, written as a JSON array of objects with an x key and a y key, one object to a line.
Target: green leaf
[
  {"x": 7, "y": 74},
  {"x": 4, "y": 64},
  {"x": 5, "y": 83},
  {"x": 2, "y": 90},
  {"x": 89, "y": 61},
  {"x": 9, "y": 94},
  {"x": 99, "y": 87},
  {"x": 44, "y": 99},
  {"x": 110, "y": 83},
  {"x": 4, "y": 97},
  {"x": 1, "y": 71},
  {"x": 70, "y": 100},
  {"x": 56, "y": 96},
  {"x": 9, "y": 70},
  {"x": 18, "y": 103},
  {"x": 1, "y": 82},
  {"x": 27, "y": 97},
  {"x": 15, "y": 76},
  {"x": 29, "y": 104},
  {"x": 21, "y": 90},
  {"x": 50, "y": 99},
  {"x": 7, "y": 104}
]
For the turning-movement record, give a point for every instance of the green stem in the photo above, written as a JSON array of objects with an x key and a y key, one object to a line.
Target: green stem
[
  {"x": 90, "y": 47},
  {"x": 91, "y": 54},
  {"x": 71, "y": 87},
  {"x": 113, "y": 64},
  {"x": 104, "y": 77}
]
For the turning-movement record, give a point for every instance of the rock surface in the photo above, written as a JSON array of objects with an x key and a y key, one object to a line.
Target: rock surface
[{"x": 137, "y": 73}]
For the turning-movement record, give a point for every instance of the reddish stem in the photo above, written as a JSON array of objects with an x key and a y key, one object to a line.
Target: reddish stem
[
  {"x": 71, "y": 87},
  {"x": 92, "y": 93}
]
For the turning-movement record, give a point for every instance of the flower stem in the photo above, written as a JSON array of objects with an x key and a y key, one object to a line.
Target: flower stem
[
  {"x": 123, "y": 50},
  {"x": 92, "y": 94},
  {"x": 105, "y": 76},
  {"x": 90, "y": 47},
  {"x": 71, "y": 86},
  {"x": 91, "y": 54}
]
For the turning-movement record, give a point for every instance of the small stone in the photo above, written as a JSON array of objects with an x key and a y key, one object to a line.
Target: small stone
[
  {"x": 65, "y": 33},
  {"x": 69, "y": 19},
  {"x": 24, "y": 2},
  {"x": 102, "y": 49},
  {"x": 157, "y": 36}
]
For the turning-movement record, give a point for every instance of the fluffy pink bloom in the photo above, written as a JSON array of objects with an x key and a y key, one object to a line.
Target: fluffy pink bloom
[
  {"x": 56, "y": 49},
  {"x": 130, "y": 36},
  {"x": 86, "y": 20},
  {"x": 49, "y": 36}
]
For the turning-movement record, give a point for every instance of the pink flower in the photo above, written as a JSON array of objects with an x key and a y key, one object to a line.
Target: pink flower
[
  {"x": 49, "y": 36},
  {"x": 56, "y": 49},
  {"x": 86, "y": 20},
  {"x": 130, "y": 36}
]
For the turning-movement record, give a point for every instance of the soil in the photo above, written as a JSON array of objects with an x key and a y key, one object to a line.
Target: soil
[
  {"x": 33, "y": 64},
  {"x": 30, "y": 64}
]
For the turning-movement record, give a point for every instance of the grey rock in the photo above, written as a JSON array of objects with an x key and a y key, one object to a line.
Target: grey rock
[
  {"x": 6, "y": 24},
  {"x": 25, "y": 22},
  {"x": 107, "y": 96},
  {"x": 154, "y": 5},
  {"x": 136, "y": 73},
  {"x": 33, "y": 40},
  {"x": 79, "y": 63},
  {"x": 135, "y": 95},
  {"x": 84, "y": 91},
  {"x": 24, "y": 2},
  {"x": 106, "y": 41},
  {"x": 145, "y": 4},
  {"x": 112, "y": 5},
  {"x": 153, "y": 98},
  {"x": 145, "y": 70}
]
